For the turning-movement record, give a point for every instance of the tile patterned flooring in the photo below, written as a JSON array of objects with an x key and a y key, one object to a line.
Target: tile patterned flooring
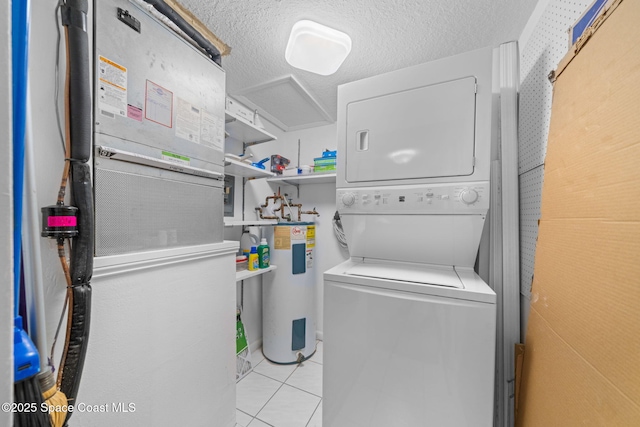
[{"x": 281, "y": 395}]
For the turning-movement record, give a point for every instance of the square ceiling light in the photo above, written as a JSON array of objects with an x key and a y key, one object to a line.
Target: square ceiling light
[{"x": 316, "y": 48}]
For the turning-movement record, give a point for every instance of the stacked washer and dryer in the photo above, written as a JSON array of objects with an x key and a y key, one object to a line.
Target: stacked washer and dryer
[{"x": 409, "y": 326}]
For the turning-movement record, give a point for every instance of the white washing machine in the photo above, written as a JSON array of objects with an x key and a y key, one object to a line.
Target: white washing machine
[
  {"x": 412, "y": 352},
  {"x": 409, "y": 327}
]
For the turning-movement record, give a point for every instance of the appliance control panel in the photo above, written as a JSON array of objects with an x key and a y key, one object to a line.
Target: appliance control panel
[{"x": 458, "y": 198}]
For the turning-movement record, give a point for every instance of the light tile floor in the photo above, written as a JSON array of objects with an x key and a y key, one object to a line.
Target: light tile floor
[{"x": 281, "y": 395}]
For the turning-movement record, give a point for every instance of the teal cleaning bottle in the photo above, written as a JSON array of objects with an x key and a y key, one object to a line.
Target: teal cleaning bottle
[{"x": 263, "y": 254}]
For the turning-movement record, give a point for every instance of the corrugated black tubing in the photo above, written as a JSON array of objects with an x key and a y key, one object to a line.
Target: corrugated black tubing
[
  {"x": 81, "y": 271},
  {"x": 74, "y": 17},
  {"x": 82, "y": 248}
]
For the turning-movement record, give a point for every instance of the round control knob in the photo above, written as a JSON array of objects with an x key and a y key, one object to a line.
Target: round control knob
[
  {"x": 348, "y": 199},
  {"x": 469, "y": 196}
]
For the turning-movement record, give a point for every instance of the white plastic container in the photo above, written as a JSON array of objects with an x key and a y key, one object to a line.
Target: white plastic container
[
  {"x": 305, "y": 170},
  {"x": 241, "y": 263},
  {"x": 246, "y": 241}
]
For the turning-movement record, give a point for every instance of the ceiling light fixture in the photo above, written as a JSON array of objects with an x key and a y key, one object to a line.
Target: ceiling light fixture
[{"x": 317, "y": 48}]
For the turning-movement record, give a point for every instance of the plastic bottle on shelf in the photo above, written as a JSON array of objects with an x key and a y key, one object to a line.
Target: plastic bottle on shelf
[
  {"x": 253, "y": 259},
  {"x": 263, "y": 254},
  {"x": 246, "y": 241}
]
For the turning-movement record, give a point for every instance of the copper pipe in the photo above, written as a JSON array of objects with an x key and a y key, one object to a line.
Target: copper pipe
[
  {"x": 265, "y": 217},
  {"x": 311, "y": 212},
  {"x": 282, "y": 215},
  {"x": 299, "y": 206},
  {"x": 281, "y": 208},
  {"x": 274, "y": 197},
  {"x": 266, "y": 204}
]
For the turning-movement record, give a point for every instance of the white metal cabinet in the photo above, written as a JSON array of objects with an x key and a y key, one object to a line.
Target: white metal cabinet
[{"x": 163, "y": 339}]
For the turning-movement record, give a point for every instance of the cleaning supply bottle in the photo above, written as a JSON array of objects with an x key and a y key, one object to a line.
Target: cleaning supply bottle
[
  {"x": 253, "y": 259},
  {"x": 246, "y": 241},
  {"x": 263, "y": 254}
]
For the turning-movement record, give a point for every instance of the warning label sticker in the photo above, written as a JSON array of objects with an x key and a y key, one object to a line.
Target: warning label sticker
[
  {"x": 282, "y": 237},
  {"x": 311, "y": 236},
  {"x": 112, "y": 88},
  {"x": 187, "y": 121},
  {"x": 309, "y": 255}
]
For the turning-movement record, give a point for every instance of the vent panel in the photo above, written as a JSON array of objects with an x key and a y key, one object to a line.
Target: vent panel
[
  {"x": 136, "y": 213},
  {"x": 285, "y": 103}
]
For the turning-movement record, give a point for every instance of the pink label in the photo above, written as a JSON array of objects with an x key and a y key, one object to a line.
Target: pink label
[
  {"x": 134, "y": 113},
  {"x": 62, "y": 221}
]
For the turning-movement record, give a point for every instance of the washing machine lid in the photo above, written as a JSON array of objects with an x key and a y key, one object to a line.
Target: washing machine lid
[{"x": 422, "y": 274}]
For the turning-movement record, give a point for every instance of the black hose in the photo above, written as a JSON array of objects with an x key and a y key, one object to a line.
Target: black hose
[
  {"x": 78, "y": 342},
  {"x": 82, "y": 248},
  {"x": 74, "y": 17},
  {"x": 81, "y": 271},
  {"x": 175, "y": 17}
]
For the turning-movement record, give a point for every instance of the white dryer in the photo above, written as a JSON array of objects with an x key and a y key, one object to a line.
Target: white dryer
[{"x": 409, "y": 327}]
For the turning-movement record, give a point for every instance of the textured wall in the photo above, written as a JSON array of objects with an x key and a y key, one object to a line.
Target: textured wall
[{"x": 545, "y": 45}]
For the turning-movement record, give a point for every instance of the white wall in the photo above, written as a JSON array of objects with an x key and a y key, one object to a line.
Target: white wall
[
  {"x": 321, "y": 196},
  {"x": 543, "y": 43},
  {"x": 6, "y": 217}
]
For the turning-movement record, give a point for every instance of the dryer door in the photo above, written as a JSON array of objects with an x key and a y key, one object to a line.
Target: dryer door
[{"x": 426, "y": 132}]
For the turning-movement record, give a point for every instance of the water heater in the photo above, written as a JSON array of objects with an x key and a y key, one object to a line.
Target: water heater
[{"x": 289, "y": 295}]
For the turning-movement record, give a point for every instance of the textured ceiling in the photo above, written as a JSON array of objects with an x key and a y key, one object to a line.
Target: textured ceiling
[{"x": 386, "y": 35}]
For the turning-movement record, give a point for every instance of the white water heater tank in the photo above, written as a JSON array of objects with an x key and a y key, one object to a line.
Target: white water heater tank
[{"x": 289, "y": 295}]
